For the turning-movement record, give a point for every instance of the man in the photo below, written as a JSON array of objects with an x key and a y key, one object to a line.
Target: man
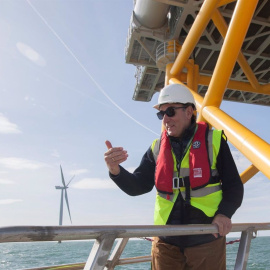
[{"x": 196, "y": 180}]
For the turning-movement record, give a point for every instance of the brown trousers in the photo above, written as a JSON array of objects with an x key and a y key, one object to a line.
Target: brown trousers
[{"x": 209, "y": 256}]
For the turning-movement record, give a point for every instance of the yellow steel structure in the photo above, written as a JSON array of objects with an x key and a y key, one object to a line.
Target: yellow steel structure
[
  {"x": 230, "y": 50},
  {"x": 183, "y": 70},
  {"x": 248, "y": 173}
]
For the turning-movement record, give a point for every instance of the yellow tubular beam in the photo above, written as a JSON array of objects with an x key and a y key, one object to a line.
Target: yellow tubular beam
[
  {"x": 194, "y": 35},
  {"x": 266, "y": 88},
  {"x": 232, "y": 44},
  {"x": 190, "y": 74},
  {"x": 237, "y": 85},
  {"x": 167, "y": 74},
  {"x": 248, "y": 143},
  {"x": 248, "y": 173},
  {"x": 222, "y": 27},
  {"x": 196, "y": 77},
  {"x": 167, "y": 78}
]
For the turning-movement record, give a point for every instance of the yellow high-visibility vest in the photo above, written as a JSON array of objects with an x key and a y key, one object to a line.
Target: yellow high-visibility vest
[{"x": 207, "y": 199}]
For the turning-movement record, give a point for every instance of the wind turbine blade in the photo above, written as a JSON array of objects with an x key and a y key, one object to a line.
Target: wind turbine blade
[
  {"x": 67, "y": 205},
  {"x": 63, "y": 180},
  {"x": 70, "y": 180},
  {"x": 61, "y": 209}
]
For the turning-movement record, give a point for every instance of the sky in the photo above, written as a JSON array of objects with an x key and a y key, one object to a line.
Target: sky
[{"x": 65, "y": 88}]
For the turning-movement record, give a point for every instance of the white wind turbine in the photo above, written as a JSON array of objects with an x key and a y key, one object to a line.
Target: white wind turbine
[{"x": 63, "y": 190}]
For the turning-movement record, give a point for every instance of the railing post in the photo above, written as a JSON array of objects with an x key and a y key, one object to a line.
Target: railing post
[
  {"x": 116, "y": 254},
  {"x": 243, "y": 250},
  {"x": 100, "y": 252}
]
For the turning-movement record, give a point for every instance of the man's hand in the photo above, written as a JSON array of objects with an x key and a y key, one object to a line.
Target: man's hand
[
  {"x": 113, "y": 157},
  {"x": 224, "y": 225}
]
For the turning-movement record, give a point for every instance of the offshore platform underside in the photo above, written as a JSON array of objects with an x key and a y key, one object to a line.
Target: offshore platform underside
[{"x": 172, "y": 20}]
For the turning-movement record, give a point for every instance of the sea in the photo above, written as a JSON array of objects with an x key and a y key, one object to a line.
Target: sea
[{"x": 18, "y": 256}]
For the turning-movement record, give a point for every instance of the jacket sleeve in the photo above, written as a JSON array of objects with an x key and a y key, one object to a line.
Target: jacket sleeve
[
  {"x": 232, "y": 186},
  {"x": 141, "y": 180}
]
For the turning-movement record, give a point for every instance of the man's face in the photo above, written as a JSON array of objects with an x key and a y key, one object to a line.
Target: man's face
[{"x": 177, "y": 124}]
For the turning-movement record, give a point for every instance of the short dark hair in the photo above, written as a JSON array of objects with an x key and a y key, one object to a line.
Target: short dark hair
[{"x": 190, "y": 104}]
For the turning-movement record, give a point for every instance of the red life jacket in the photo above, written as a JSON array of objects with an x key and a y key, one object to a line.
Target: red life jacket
[{"x": 199, "y": 165}]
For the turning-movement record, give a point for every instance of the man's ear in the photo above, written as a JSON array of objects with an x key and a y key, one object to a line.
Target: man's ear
[{"x": 189, "y": 112}]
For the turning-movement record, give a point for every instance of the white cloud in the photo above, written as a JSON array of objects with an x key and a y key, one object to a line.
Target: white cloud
[
  {"x": 95, "y": 183},
  {"x": 6, "y": 182},
  {"x": 20, "y": 163},
  {"x": 79, "y": 171},
  {"x": 10, "y": 201},
  {"x": 6, "y": 126},
  {"x": 31, "y": 54}
]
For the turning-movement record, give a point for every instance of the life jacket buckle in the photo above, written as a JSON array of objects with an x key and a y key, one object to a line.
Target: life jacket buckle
[{"x": 178, "y": 182}]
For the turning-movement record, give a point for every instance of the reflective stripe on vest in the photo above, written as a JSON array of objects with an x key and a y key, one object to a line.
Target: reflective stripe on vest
[{"x": 193, "y": 193}]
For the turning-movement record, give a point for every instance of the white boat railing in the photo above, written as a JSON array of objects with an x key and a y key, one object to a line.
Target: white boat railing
[{"x": 105, "y": 236}]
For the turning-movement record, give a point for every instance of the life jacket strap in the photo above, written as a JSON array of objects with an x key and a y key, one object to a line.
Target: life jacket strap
[
  {"x": 193, "y": 193},
  {"x": 188, "y": 191},
  {"x": 179, "y": 182}
]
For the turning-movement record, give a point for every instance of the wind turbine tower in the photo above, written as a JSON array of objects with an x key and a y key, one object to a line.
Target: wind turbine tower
[{"x": 63, "y": 190}]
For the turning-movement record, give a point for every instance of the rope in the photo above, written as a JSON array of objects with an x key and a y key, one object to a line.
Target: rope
[
  {"x": 232, "y": 242},
  {"x": 146, "y": 238}
]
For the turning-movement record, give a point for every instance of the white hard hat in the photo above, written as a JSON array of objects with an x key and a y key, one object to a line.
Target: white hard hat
[{"x": 175, "y": 93}]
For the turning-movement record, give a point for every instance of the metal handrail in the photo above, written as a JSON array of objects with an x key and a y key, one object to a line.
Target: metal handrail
[
  {"x": 106, "y": 235},
  {"x": 59, "y": 233},
  {"x": 167, "y": 48}
]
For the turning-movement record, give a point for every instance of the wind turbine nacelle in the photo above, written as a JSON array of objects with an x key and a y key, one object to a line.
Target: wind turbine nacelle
[{"x": 58, "y": 187}]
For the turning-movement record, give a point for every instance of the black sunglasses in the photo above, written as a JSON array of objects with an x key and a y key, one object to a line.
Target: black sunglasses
[{"x": 170, "y": 111}]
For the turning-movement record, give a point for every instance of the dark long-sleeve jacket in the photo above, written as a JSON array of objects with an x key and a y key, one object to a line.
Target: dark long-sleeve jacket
[{"x": 142, "y": 180}]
